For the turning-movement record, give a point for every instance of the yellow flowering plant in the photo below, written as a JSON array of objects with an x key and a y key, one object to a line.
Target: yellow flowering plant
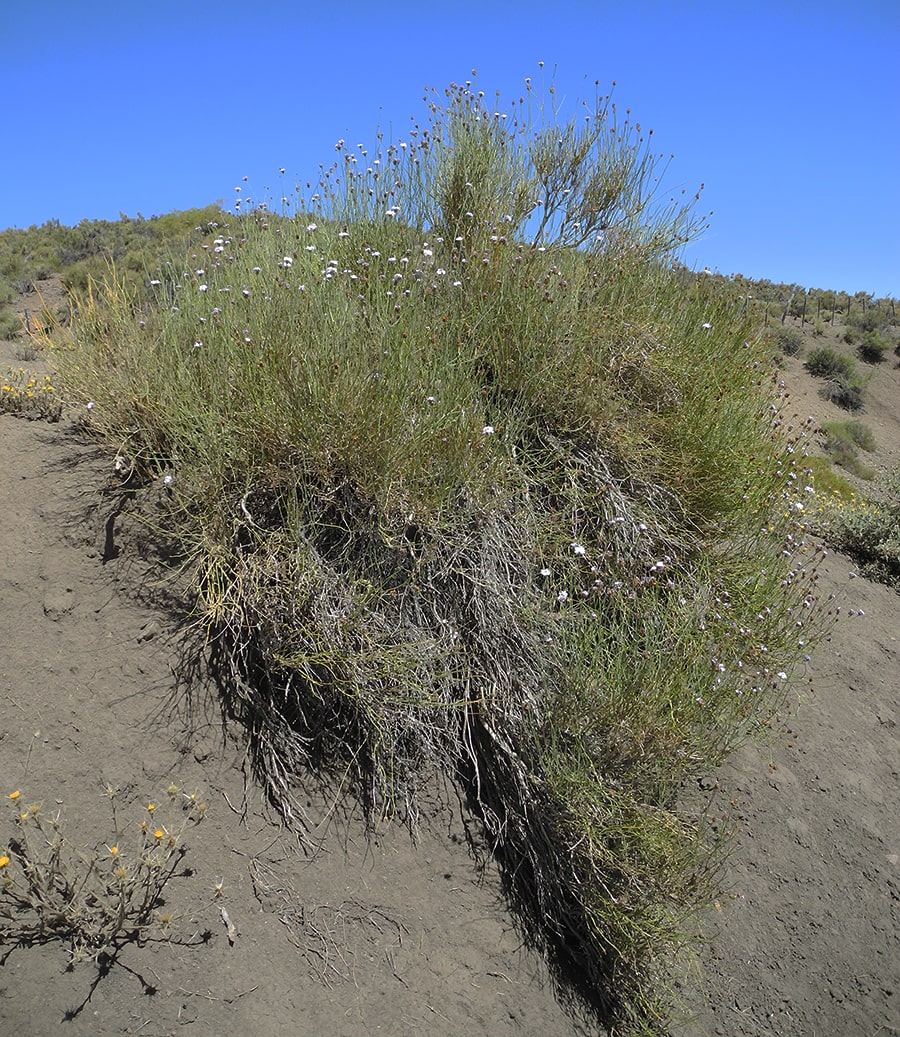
[{"x": 91, "y": 900}]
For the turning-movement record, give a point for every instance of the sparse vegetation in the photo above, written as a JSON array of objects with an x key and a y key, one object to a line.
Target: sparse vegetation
[
  {"x": 843, "y": 440},
  {"x": 27, "y": 395},
  {"x": 870, "y": 332},
  {"x": 787, "y": 338},
  {"x": 133, "y": 245},
  {"x": 91, "y": 899},
  {"x": 867, "y": 529}
]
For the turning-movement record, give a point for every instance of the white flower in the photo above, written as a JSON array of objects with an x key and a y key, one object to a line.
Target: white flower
[
  {"x": 90, "y": 406},
  {"x": 579, "y": 549},
  {"x": 545, "y": 572},
  {"x": 287, "y": 261},
  {"x": 203, "y": 288},
  {"x": 488, "y": 430},
  {"x": 168, "y": 480},
  {"x": 706, "y": 326},
  {"x": 155, "y": 282},
  {"x": 562, "y": 596},
  {"x": 311, "y": 227},
  {"x": 781, "y": 675}
]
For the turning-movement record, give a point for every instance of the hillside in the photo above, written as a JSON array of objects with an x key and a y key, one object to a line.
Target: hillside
[{"x": 350, "y": 928}]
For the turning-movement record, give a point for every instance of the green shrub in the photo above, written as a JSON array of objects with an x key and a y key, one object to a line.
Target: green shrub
[
  {"x": 844, "y": 392},
  {"x": 842, "y": 451},
  {"x": 866, "y": 529},
  {"x": 873, "y": 347},
  {"x": 474, "y": 484},
  {"x": 10, "y": 325},
  {"x": 825, "y": 362},
  {"x": 856, "y": 431},
  {"x": 789, "y": 340}
]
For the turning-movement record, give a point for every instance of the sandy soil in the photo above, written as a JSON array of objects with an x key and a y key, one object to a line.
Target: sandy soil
[{"x": 368, "y": 937}]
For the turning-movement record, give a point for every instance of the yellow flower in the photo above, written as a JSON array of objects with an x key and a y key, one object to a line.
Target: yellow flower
[
  {"x": 151, "y": 807},
  {"x": 159, "y": 833},
  {"x": 114, "y": 850},
  {"x": 4, "y": 860},
  {"x": 15, "y": 795}
]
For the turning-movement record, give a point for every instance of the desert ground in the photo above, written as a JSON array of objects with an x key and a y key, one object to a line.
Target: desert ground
[{"x": 336, "y": 933}]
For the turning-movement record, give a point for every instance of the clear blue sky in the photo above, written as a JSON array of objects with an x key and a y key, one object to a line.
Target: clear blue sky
[{"x": 786, "y": 109}]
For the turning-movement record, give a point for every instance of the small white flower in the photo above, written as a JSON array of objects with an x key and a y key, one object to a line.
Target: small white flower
[
  {"x": 579, "y": 549},
  {"x": 287, "y": 261},
  {"x": 203, "y": 288},
  {"x": 311, "y": 227},
  {"x": 781, "y": 675},
  {"x": 156, "y": 282},
  {"x": 706, "y": 326},
  {"x": 488, "y": 430},
  {"x": 562, "y": 596},
  {"x": 545, "y": 572},
  {"x": 90, "y": 406},
  {"x": 168, "y": 480}
]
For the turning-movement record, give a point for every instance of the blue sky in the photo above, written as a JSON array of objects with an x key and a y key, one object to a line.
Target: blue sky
[{"x": 787, "y": 110}]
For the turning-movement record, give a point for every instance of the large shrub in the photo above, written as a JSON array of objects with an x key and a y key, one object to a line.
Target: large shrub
[{"x": 471, "y": 479}]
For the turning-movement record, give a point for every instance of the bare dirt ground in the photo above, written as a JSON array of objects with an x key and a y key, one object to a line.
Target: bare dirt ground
[{"x": 382, "y": 936}]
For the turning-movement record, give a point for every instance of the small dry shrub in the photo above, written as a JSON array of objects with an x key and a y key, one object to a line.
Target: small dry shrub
[{"x": 91, "y": 899}]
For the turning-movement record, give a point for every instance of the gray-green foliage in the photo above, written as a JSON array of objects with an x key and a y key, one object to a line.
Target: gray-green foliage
[{"x": 458, "y": 495}]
